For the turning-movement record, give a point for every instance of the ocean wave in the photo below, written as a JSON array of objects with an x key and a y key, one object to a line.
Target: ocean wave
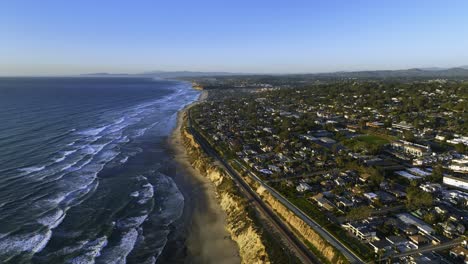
[
  {"x": 124, "y": 139},
  {"x": 18, "y": 244},
  {"x": 131, "y": 222},
  {"x": 124, "y": 159},
  {"x": 91, "y": 250},
  {"x": 140, "y": 132},
  {"x": 29, "y": 170},
  {"x": 93, "y": 131},
  {"x": 69, "y": 178},
  {"x": 52, "y": 220},
  {"x": 146, "y": 193},
  {"x": 65, "y": 154},
  {"x": 118, "y": 253}
]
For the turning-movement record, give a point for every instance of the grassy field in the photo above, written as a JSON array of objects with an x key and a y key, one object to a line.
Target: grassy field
[{"x": 369, "y": 143}]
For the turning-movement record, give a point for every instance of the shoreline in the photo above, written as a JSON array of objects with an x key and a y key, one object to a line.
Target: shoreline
[{"x": 204, "y": 236}]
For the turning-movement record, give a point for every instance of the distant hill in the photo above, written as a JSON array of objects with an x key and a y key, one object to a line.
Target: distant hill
[
  {"x": 459, "y": 72},
  {"x": 432, "y": 72}
]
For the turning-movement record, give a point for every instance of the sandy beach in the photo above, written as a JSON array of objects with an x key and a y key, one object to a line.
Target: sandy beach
[{"x": 206, "y": 239}]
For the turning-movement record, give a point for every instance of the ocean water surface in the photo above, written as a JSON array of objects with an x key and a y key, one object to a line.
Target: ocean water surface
[{"x": 83, "y": 175}]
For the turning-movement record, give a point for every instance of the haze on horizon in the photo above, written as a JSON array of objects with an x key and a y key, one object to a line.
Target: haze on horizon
[{"x": 72, "y": 37}]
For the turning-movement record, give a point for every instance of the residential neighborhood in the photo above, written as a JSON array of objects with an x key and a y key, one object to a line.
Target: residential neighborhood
[{"x": 384, "y": 166}]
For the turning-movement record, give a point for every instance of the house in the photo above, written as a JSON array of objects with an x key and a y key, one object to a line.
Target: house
[
  {"x": 430, "y": 187},
  {"x": 327, "y": 140},
  {"x": 407, "y": 175},
  {"x": 265, "y": 171},
  {"x": 418, "y": 240},
  {"x": 375, "y": 124},
  {"x": 371, "y": 196},
  {"x": 452, "y": 229},
  {"x": 459, "y": 165},
  {"x": 323, "y": 202},
  {"x": 303, "y": 187},
  {"x": 361, "y": 230},
  {"x": 459, "y": 252},
  {"x": 385, "y": 197},
  {"x": 403, "y": 126},
  {"x": 411, "y": 220},
  {"x": 343, "y": 202},
  {"x": 411, "y": 148},
  {"x": 396, "y": 240},
  {"x": 418, "y": 172},
  {"x": 457, "y": 182},
  {"x": 274, "y": 168},
  {"x": 380, "y": 245}
]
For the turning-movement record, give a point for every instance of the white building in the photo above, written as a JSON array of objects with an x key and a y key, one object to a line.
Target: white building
[
  {"x": 411, "y": 220},
  {"x": 459, "y": 165},
  {"x": 411, "y": 148},
  {"x": 456, "y": 182},
  {"x": 302, "y": 187}
]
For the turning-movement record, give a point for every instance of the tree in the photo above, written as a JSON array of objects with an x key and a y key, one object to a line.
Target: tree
[
  {"x": 376, "y": 178},
  {"x": 437, "y": 173},
  {"x": 408, "y": 135},
  {"x": 359, "y": 213},
  {"x": 417, "y": 198},
  {"x": 460, "y": 148},
  {"x": 430, "y": 218}
]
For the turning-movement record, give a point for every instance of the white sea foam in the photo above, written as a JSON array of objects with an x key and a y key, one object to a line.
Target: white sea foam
[
  {"x": 13, "y": 245},
  {"x": 120, "y": 120},
  {"x": 146, "y": 193},
  {"x": 93, "y": 131},
  {"x": 72, "y": 143},
  {"x": 119, "y": 253},
  {"x": 91, "y": 250},
  {"x": 41, "y": 245},
  {"x": 65, "y": 154},
  {"x": 124, "y": 139},
  {"x": 62, "y": 158},
  {"x": 52, "y": 220},
  {"x": 130, "y": 222},
  {"x": 140, "y": 132},
  {"x": 134, "y": 194},
  {"x": 108, "y": 156},
  {"x": 53, "y": 201},
  {"x": 29, "y": 170}
]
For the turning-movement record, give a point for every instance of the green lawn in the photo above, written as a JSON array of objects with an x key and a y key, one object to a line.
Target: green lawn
[{"x": 369, "y": 143}]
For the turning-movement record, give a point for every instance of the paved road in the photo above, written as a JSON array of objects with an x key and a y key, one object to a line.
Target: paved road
[
  {"x": 304, "y": 254},
  {"x": 348, "y": 253}
]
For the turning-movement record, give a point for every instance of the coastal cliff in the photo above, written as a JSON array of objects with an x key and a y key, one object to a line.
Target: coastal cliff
[
  {"x": 321, "y": 245},
  {"x": 239, "y": 222}
]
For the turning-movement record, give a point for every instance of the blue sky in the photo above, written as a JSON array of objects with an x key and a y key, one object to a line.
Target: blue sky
[{"x": 67, "y": 37}]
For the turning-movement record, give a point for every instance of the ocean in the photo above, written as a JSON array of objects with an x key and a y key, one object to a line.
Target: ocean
[{"x": 84, "y": 168}]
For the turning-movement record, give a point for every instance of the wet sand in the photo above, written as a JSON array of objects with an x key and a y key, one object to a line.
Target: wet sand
[{"x": 205, "y": 240}]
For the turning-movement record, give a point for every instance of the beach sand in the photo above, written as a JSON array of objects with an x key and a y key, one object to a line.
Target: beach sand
[{"x": 206, "y": 239}]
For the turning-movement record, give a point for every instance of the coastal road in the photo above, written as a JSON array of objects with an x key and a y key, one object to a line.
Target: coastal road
[
  {"x": 301, "y": 250},
  {"x": 330, "y": 238}
]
